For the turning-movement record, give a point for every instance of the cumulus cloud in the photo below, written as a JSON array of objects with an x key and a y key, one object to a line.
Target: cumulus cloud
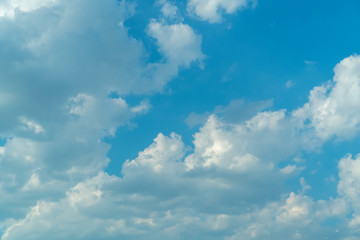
[
  {"x": 58, "y": 74},
  {"x": 8, "y": 8},
  {"x": 331, "y": 111},
  {"x": 229, "y": 186},
  {"x": 159, "y": 197},
  {"x": 60, "y": 62},
  {"x": 225, "y": 188},
  {"x": 348, "y": 186},
  {"x": 295, "y": 216},
  {"x": 237, "y": 111},
  {"x": 48, "y": 165},
  {"x": 212, "y": 10},
  {"x": 73, "y": 47},
  {"x": 334, "y": 107},
  {"x": 169, "y": 10},
  {"x": 177, "y": 42}
]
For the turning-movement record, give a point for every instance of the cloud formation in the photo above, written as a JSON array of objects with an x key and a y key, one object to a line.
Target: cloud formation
[
  {"x": 213, "y": 10},
  {"x": 163, "y": 194},
  {"x": 66, "y": 69},
  {"x": 60, "y": 75},
  {"x": 333, "y": 108},
  {"x": 177, "y": 42}
]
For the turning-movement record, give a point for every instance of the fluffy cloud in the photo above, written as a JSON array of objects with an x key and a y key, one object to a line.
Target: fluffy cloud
[
  {"x": 229, "y": 186},
  {"x": 52, "y": 52},
  {"x": 296, "y": 216},
  {"x": 237, "y": 111},
  {"x": 159, "y": 197},
  {"x": 349, "y": 173},
  {"x": 8, "y": 8},
  {"x": 231, "y": 172},
  {"x": 62, "y": 63},
  {"x": 177, "y": 42},
  {"x": 212, "y": 10},
  {"x": 37, "y": 167},
  {"x": 334, "y": 107},
  {"x": 169, "y": 10},
  {"x": 235, "y": 145}
]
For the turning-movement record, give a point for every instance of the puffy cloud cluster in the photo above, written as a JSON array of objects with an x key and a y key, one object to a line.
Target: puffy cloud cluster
[
  {"x": 349, "y": 173},
  {"x": 177, "y": 42},
  {"x": 66, "y": 66},
  {"x": 51, "y": 53},
  {"x": 159, "y": 197},
  {"x": 211, "y": 10},
  {"x": 333, "y": 108},
  {"x": 229, "y": 186},
  {"x": 8, "y": 8},
  {"x": 62, "y": 60}
]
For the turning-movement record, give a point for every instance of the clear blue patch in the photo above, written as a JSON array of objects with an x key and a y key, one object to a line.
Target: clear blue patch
[{"x": 2, "y": 141}]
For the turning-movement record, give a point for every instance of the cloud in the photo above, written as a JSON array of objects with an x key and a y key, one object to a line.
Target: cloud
[
  {"x": 296, "y": 216},
  {"x": 289, "y": 84},
  {"x": 73, "y": 47},
  {"x": 347, "y": 187},
  {"x": 228, "y": 186},
  {"x": 9, "y": 8},
  {"x": 177, "y": 42},
  {"x": 58, "y": 73},
  {"x": 159, "y": 197},
  {"x": 48, "y": 165},
  {"x": 237, "y": 111},
  {"x": 169, "y": 10},
  {"x": 56, "y": 107},
  {"x": 334, "y": 107},
  {"x": 212, "y": 10},
  {"x": 289, "y": 169},
  {"x": 219, "y": 144}
]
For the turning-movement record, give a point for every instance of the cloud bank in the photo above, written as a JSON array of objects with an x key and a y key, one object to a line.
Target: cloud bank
[
  {"x": 228, "y": 187},
  {"x": 61, "y": 63}
]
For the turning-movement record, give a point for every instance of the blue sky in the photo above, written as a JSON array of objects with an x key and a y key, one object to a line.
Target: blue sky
[{"x": 196, "y": 119}]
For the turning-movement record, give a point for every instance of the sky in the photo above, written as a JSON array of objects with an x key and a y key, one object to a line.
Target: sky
[{"x": 194, "y": 119}]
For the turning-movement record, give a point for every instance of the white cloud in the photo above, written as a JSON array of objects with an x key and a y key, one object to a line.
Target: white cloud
[
  {"x": 227, "y": 193},
  {"x": 169, "y": 10},
  {"x": 177, "y": 42},
  {"x": 57, "y": 77},
  {"x": 334, "y": 107},
  {"x": 30, "y": 125},
  {"x": 289, "y": 169},
  {"x": 57, "y": 74},
  {"x": 211, "y": 10},
  {"x": 349, "y": 183},
  {"x": 156, "y": 199},
  {"x": 33, "y": 182},
  {"x": 224, "y": 188},
  {"x": 289, "y": 84},
  {"x": 219, "y": 143},
  {"x": 236, "y": 112},
  {"x": 8, "y": 8},
  {"x": 76, "y": 47},
  {"x": 294, "y": 217}
]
